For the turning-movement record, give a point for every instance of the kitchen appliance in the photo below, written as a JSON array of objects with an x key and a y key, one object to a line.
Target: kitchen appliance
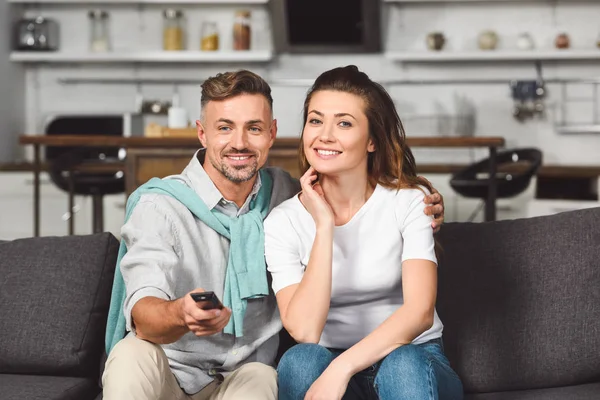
[
  {"x": 36, "y": 34},
  {"x": 528, "y": 97},
  {"x": 332, "y": 26}
]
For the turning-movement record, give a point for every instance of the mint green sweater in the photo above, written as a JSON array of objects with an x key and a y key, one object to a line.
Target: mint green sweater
[{"x": 246, "y": 270}]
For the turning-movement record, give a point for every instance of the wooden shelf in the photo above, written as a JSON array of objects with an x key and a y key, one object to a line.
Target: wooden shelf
[
  {"x": 139, "y": 141},
  {"x": 162, "y": 2},
  {"x": 469, "y": 1},
  {"x": 578, "y": 129},
  {"x": 146, "y": 57},
  {"x": 493, "y": 55}
]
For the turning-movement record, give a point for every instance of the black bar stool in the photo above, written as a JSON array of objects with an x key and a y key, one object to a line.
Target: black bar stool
[
  {"x": 63, "y": 162},
  {"x": 515, "y": 168}
]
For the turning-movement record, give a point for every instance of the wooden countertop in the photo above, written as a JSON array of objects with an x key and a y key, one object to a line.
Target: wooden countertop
[
  {"x": 179, "y": 142},
  {"x": 285, "y": 144},
  {"x": 547, "y": 171}
]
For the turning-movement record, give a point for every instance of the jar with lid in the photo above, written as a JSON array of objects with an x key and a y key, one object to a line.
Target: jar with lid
[
  {"x": 241, "y": 30},
  {"x": 99, "y": 40},
  {"x": 173, "y": 30},
  {"x": 209, "y": 40}
]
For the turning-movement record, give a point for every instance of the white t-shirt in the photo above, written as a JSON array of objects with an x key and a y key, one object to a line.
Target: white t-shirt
[{"x": 368, "y": 252}]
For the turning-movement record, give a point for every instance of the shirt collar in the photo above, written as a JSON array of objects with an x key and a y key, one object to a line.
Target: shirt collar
[{"x": 205, "y": 187}]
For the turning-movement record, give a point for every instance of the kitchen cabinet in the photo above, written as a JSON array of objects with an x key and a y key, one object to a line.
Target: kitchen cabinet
[{"x": 143, "y": 164}]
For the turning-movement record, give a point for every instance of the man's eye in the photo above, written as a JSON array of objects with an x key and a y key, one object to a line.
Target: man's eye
[
  {"x": 224, "y": 128},
  {"x": 255, "y": 129},
  {"x": 314, "y": 121},
  {"x": 345, "y": 124}
]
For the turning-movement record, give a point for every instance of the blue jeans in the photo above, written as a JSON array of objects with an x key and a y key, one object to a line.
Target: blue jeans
[{"x": 415, "y": 372}]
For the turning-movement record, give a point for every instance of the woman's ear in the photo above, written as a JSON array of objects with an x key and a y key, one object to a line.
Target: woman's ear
[{"x": 370, "y": 146}]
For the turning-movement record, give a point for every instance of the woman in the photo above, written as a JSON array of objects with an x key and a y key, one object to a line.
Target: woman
[{"x": 352, "y": 256}]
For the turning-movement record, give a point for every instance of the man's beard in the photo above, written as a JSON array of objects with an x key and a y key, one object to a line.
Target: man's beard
[{"x": 238, "y": 174}]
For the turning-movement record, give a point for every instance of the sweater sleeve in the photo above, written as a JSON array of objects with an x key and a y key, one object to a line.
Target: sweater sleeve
[
  {"x": 282, "y": 250},
  {"x": 415, "y": 225}
]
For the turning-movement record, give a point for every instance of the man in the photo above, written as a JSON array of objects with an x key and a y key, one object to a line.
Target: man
[{"x": 175, "y": 349}]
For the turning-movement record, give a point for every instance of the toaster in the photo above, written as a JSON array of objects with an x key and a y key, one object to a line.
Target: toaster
[{"x": 36, "y": 34}]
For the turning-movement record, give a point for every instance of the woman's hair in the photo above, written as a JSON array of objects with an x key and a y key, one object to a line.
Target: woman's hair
[{"x": 392, "y": 164}]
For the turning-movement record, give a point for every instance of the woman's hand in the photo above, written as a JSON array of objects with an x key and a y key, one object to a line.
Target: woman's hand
[
  {"x": 313, "y": 199},
  {"x": 331, "y": 385}
]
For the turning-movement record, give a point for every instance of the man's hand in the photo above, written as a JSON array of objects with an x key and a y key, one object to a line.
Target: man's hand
[
  {"x": 436, "y": 206},
  {"x": 202, "y": 322}
]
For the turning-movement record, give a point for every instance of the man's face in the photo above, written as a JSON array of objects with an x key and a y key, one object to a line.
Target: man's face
[{"x": 237, "y": 134}]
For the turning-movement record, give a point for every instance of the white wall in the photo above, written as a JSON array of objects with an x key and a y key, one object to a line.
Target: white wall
[
  {"x": 12, "y": 85},
  {"x": 140, "y": 28}
]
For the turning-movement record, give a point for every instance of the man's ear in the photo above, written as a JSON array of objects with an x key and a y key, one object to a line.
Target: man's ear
[
  {"x": 201, "y": 133},
  {"x": 273, "y": 131}
]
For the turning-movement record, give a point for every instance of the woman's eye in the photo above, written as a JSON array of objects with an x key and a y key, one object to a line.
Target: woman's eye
[
  {"x": 314, "y": 121},
  {"x": 345, "y": 124}
]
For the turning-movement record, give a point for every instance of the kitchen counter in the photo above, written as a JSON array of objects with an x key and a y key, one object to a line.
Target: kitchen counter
[{"x": 549, "y": 171}]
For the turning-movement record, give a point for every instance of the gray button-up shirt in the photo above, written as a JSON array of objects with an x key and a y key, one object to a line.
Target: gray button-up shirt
[{"x": 170, "y": 253}]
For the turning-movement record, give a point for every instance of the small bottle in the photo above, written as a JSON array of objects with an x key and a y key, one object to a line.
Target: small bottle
[
  {"x": 210, "y": 37},
  {"x": 241, "y": 30},
  {"x": 99, "y": 41},
  {"x": 173, "y": 30}
]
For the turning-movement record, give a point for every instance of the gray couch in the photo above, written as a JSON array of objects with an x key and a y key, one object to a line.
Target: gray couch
[{"x": 520, "y": 301}]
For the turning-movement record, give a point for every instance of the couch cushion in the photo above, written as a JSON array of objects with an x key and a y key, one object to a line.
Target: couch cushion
[
  {"x": 54, "y": 299},
  {"x": 520, "y": 301},
  {"x": 580, "y": 392},
  {"x": 28, "y": 387}
]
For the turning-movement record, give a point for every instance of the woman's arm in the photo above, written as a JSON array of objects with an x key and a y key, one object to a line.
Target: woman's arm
[
  {"x": 415, "y": 316},
  {"x": 304, "y": 306}
]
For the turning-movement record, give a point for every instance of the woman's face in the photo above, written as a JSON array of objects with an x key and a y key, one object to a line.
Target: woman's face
[{"x": 336, "y": 134}]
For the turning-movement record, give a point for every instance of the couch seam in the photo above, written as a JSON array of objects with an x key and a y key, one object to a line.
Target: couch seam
[
  {"x": 76, "y": 385},
  {"x": 87, "y": 325}
]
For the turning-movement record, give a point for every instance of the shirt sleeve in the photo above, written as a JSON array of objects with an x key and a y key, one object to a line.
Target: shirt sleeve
[
  {"x": 151, "y": 258},
  {"x": 282, "y": 251},
  {"x": 415, "y": 226}
]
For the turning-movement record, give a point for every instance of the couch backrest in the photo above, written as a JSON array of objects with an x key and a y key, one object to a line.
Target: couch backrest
[
  {"x": 520, "y": 301},
  {"x": 54, "y": 299}
]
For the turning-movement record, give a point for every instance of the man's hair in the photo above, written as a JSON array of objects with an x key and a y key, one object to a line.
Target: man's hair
[{"x": 230, "y": 84}]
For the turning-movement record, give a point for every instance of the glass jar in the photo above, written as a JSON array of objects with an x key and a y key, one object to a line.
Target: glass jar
[
  {"x": 99, "y": 40},
  {"x": 173, "y": 30},
  {"x": 209, "y": 40},
  {"x": 241, "y": 30}
]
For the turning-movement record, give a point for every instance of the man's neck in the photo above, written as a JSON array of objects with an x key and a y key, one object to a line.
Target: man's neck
[{"x": 236, "y": 192}]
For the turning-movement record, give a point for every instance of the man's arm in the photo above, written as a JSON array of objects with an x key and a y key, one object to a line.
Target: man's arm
[
  {"x": 160, "y": 321},
  {"x": 150, "y": 267}
]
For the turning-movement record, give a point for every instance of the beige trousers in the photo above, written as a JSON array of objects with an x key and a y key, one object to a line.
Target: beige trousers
[{"x": 139, "y": 370}]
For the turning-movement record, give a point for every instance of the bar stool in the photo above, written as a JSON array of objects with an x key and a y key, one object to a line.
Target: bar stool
[
  {"x": 64, "y": 163},
  {"x": 515, "y": 169}
]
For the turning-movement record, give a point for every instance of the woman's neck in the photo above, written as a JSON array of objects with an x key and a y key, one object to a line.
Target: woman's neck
[{"x": 346, "y": 194}]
